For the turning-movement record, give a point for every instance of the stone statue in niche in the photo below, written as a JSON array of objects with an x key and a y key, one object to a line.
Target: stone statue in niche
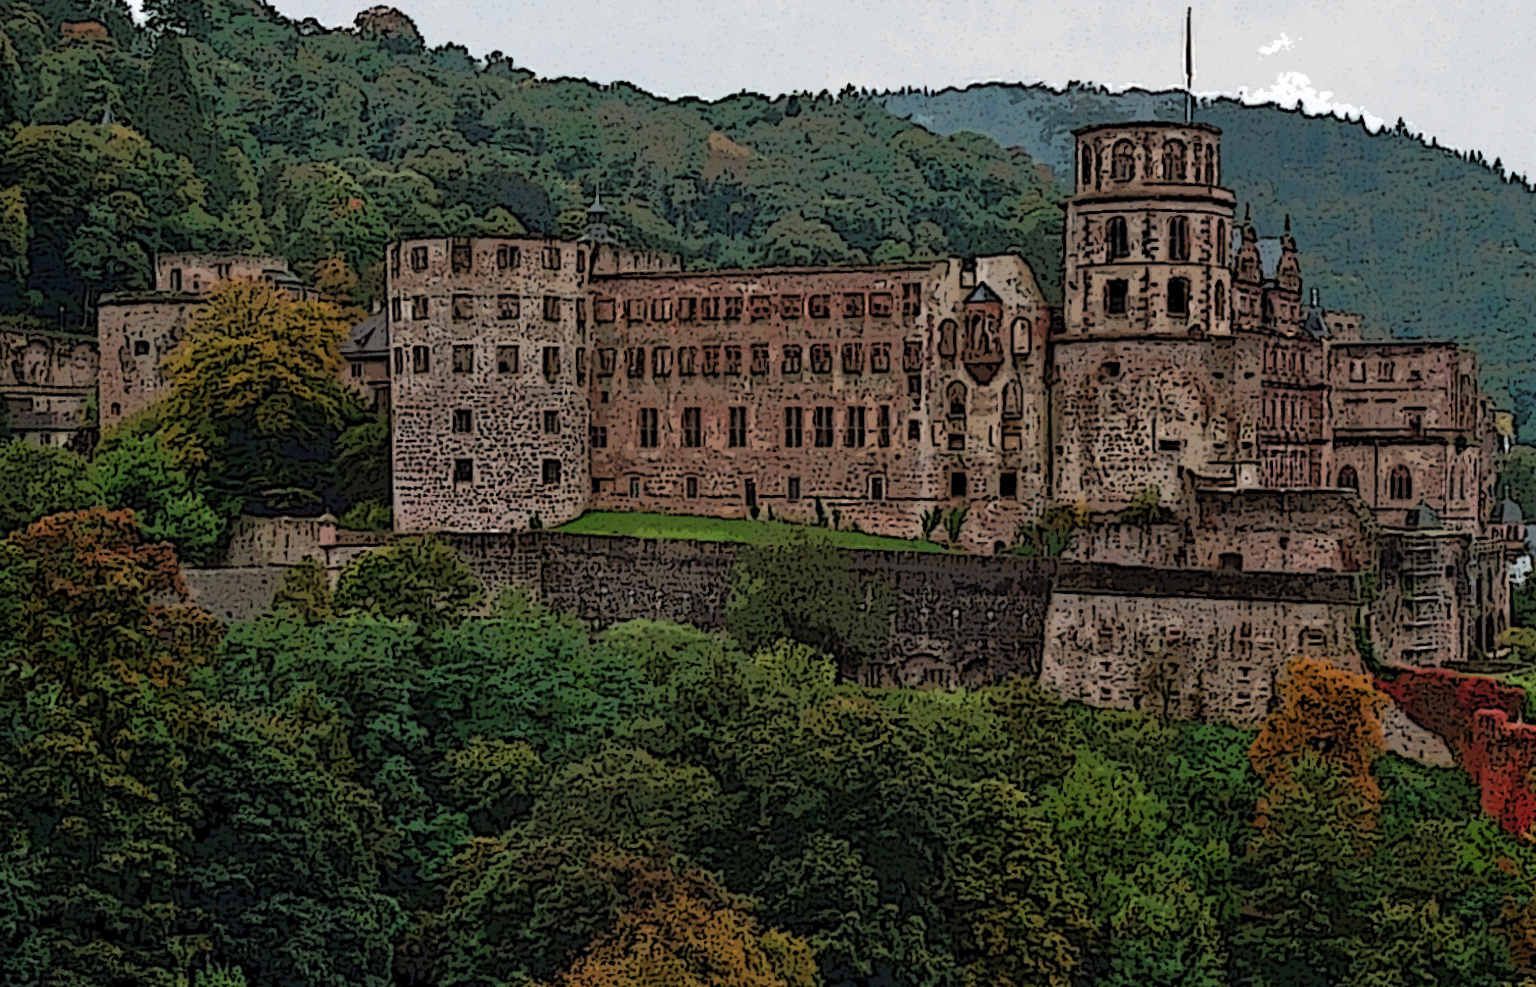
[{"x": 983, "y": 354}]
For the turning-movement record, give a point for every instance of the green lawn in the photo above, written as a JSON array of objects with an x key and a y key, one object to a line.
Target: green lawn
[{"x": 724, "y": 529}]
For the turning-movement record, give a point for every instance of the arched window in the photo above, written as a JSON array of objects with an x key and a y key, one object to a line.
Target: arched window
[
  {"x": 1267, "y": 310},
  {"x": 1175, "y": 168},
  {"x": 1401, "y": 483},
  {"x": 1178, "y": 238},
  {"x": 1221, "y": 300},
  {"x": 1119, "y": 239},
  {"x": 954, "y": 396},
  {"x": 1087, "y": 166},
  {"x": 1178, "y": 296},
  {"x": 1210, "y": 164},
  {"x": 1124, "y": 161},
  {"x": 1349, "y": 479},
  {"x": 1013, "y": 400},
  {"x": 947, "y": 332},
  {"x": 1221, "y": 242}
]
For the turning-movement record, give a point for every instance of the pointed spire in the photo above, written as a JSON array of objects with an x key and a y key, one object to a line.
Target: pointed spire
[
  {"x": 597, "y": 220},
  {"x": 1249, "y": 233},
  {"x": 1288, "y": 242}
]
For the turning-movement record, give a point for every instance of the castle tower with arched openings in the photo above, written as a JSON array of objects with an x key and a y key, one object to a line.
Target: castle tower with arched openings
[{"x": 1148, "y": 234}]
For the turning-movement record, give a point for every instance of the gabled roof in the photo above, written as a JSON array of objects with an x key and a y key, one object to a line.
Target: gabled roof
[
  {"x": 980, "y": 294},
  {"x": 369, "y": 336}
]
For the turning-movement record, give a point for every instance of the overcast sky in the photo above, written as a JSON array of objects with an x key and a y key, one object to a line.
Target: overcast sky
[{"x": 1456, "y": 70}]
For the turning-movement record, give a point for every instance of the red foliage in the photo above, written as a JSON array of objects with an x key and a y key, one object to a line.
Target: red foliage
[{"x": 1473, "y": 716}]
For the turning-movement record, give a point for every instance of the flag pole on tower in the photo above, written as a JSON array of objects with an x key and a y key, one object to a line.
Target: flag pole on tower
[{"x": 1189, "y": 66}]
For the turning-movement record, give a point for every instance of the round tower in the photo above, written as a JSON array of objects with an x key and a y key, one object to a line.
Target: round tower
[
  {"x": 488, "y": 392},
  {"x": 1148, "y": 230}
]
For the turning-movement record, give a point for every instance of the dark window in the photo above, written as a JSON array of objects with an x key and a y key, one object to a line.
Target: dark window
[
  {"x": 759, "y": 359},
  {"x": 711, "y": 361},
  {"x": 599, "y": 436},
  {"x": 1349, "y": 479},
  {"x": 581, "y": 261},
  {"x": 853, "y": 358},
  {"x": 141, "y": 348},
  {"x": 914, "y": 430},
  {"x": 915, "y": 385},
  {"x": 1178, "y": 238},
  {"x": 687, "y": 360},
  {"x": 462, "y": 260},
  {"x": 396, "y": 310},
  {"x": 607, "y": 361},
  {"x": 691, "y": 487},
  {"x": 506, "y": 257},
  {"x": 1114, "y": 297},
  {"x": 821, "y": 306},
  {"x": 792, "y": 488},
  {"x": 1123, "y": 161},
  {"x": 733, "y": 360},
  {"x": 789, "y": 306},
  {"x": 1119, "y": 240},
  {"x": 911, "y": 299},
  {"x": 1221, "y": 300},
  {"x": 394, "y": 260},
  {"x": 794, "y": 425},
  {"x": 686, "y": 309},
  {"x": 551, "y": 362},
  {"x": 1175, "y": 164},
  {"x": 880, "y": 305},
  {"x": 693, "y": 427},
  {"x": 552, "y": 422},
  {"x": 884, "y": 419},
  {"x": 762, "y": 307},
  {"x": 419, "y": 307},
  {"x": 711, "y": 308},
  {"x": 634, "y": 486},
  {"x": 1231, "y": 560},
  {"x": 1221, "y": 242},
  {"x": 463, "y": 359},
  {"x": 738, "y": 437},
  {"x": 418, "y": 258},
  {"x": 463, "y": 471},
  {"x": 853, "y": 434},
  {"x": 792, "y": 359},
  {"x": 399, "y": 359},
  {"x": 1008, "y": 485},
  {"x": 552, "y": 258},
  {"x": 821, "y": 358},
  {"x": 880, "y": 358},
  {"x": 1401, "y": 483},
  {"x": 117, "y": 409},
  {"x": 581, "y": 364},
  {"x": 958, "y": 486},
  {"x": 733, "y": 304},
  {"x": 551, "y": 472},
  {"x": 877, "y": 488},
  {"x": 822, "y": 420},
  {"x": 552, "y": 308},
  {"x": 420, "y": 360},
  {"x": 509, "y": 306},
  {"x": 634, "y": 361},
  {"x": 1178, "y": 296},
  {"x": 463, "y": 420},
  {"x": 853, "y": 306},
  {"x": 650, "y": 436}
]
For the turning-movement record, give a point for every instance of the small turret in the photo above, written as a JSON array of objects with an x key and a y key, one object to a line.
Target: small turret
[{"x": 597, "y": 221}]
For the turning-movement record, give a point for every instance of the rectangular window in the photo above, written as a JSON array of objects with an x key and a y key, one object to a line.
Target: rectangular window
[
  {"x": 691, "y": 487},
  {"x": 911, "y": 299},
  {"x": 687, "y": 360},
  {"x": 733, "y": 361},
  {"x": 634, "y": 361},
  {"x": 607, "y": 361},
  {"x": 881, "y": 305},
  {"x": 1008, "y": 485},
  {"x": 711, "y": 307},
  {"x": 599, "y": 436},
  {"x": 552, "y": 258},
  {"x": 821, "y": 306},
  {"x": 794, "y": 428},
  {"x": 956, "y": 442},
  {"x": 509, "y": 306},
  {"x": 762, "y": 307},
  {"x": 759, "y": 359},
  {"x": 792, "y": 359},
  {"x": 399, "y": 360},
  {"x": 552, "y": 422},
  {"x": 463, "y": 471},
  {"x": 581, "y": 261},
  {"x": 604, "y": 310},
  {"x": 418, "y": 258},
  {"x": 581, "y": 364},
  {"x": 914, "y": 430},
  {"x": 792, "y": 488},
  {"x": 789, "y": 306},
  {"x": 880, "y": 358},
  {"x": 634, "y": 486},
  {"x": 853, "y": 306},
  {"x": 958, "y": 486},
  {"x": 915, "y": 385},
  {"x": 884, "y": 419},
  {"x": 711, "y": 361},
  {"x": 650, "y": 431},
  {"x": 395, "y": 310},
  {"x": 506, "y": 257},
  {"x": 462, "y": 260},
  {"x": 1114, "y": 297},
  {"x": 853, "y": 435},
  {"x": 738, "y": 437},
  {"x": 661, "y": 310},
  {"x": 635, "y": 309},
  {"x": 661, "y": 361},
  {"x": 824, "y": 426},
  {"x": 551, "y": 362},
  {"x": 394, "y": 260},
  {"x": 463, "y": 359},
  {"x": 463, "y": 420},
  {"x": 419, "y": 306},
  {"x": 912, "y": 355},
  {"x": 551, "y": 472},
  {"x": 693, "y": 428},
  {"x": 733, "y": 306},
  {"x": 853, "y": 358},
  {"x": 552, "y": 308},
  {"x": 420, "y": 360},
  {"x": 821, "y": 358},
  {"x": 877, "y": 488}
]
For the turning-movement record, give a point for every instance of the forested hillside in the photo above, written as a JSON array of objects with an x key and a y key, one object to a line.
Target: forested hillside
[
  {"x": 1423, "y": 241},
  {"x": 235, "y": 128}
]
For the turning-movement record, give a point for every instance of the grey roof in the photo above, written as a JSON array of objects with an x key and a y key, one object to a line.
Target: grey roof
[
  {"x": 1423, "y": 516},
  {"x": 982, "y": 293},
  {"x": 1269, "y": 253},
  {"x": 370, "y": 336},
  {"x": 1509, "y": 513}
]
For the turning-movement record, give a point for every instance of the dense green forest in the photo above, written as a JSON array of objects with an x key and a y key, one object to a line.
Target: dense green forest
[
  {"x": 1423, "y": 241},
  {"x": 397, "y": 784}
]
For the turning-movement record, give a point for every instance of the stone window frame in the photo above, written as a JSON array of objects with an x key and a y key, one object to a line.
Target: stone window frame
[
  {"x": 914, "y": 430},
  {"x": 691, "y": 487},
  {"x": 1175, "y": 160},
  {"x": 791, "y": 306},
  {"x": 550, "y": 473},
  {"x": 604, "y": 310},
  {"x": 853, "y": 358},
  {"x": 1179, "y": 306},
  {"x": 761, "y": 307},
  {"x": 607, "y": 361},
  {"x": 959, "y": 484},
  {"x": 883, "y": 426},
  {"x": 508, "y": 359},
  {"x": 821, "y": 358},
  {"x": 661, "y": 309},
  {"x": 792, "y": 488},
  {"x": 463, "y": 358},
  {"x": 855, "y": 305},
  {"x": 597, "y": 436},
  {"x": 463, "y": 421},
  {"x": 693, "y": 428},
  {"x": 648, "y": 428},
  {"x": 1178, "y": 238},
  {"x": 791, "y": 363},
  {"x": 911, "y": 299},
  {"x": 734, "y": 306},
  {"x": 1117, "y": 238},
  {"x": 711, "y": 366},
  {"x": 1117, "y": 294},
  {"x": 509, "y": 307},
  {"x": 687, "y": 361},
  {"x": 396, "y": 311},
  {"x": 1008, "y": 485},
  {"x": 661, "y": 361},
  {"x": 552, "y": 308},
  {"x": 419, "y": 259},
  {"x": 881, "y": 305},
  {"x": 550, "y": 423},
  {"x": 824, "y": 426},
  {"x": 737, "y": 436},
  {"x": 820, "y": 306},
  {"x": 141, "y": 347},
  {"x": 461, "y": 256},
  {"x": 419, "y": 307},
  {"x": 463, "y": 471},
  {"x": 1123, "y": 161},
  {"x": 709, "y": 308},
  {"x": 794, "y": 427},
  {"x": 733, "y": 360},
  {"x": 687, "y": 308},
  {"x": 551, "y": 258},
  {"x": 508, "y": 257},
  {"x": 876, "y": 486},
  {"x": 551, "y": 358},
  {"x": 759, "y": 366},
  {"x": 634, "y": 361},
  {"x": 879, "y": 358},
  {"x": 421, "y": 360},
  {"x": 1400, "y": 483}
]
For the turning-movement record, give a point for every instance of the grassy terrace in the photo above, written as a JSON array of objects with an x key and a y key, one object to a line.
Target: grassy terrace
[{"x": 724, "y": 529}]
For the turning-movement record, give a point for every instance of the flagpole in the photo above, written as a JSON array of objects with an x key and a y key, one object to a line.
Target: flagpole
[{"x": 1189, "y": 65}]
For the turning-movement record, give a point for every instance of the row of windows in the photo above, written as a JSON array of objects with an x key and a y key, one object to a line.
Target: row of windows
[
  {"x": 465, "y": 307},
  {"x": 1386, "y": 371},
  {"x": 508, "y": 360},
  {"x": 1117, "y": 292},
  {"x": 1399, "y": 482},
  {"x": 876, "y": 485},
  {"x": 1117, "y": 239},
  {"x": 549, "y": 471},
  {"x": 1177, "y": 165},
  {"x": 849, "y": 305},
  {"x": 856, "y": 432},
  {"x": 508, "y": 258},
  {"x": 713, "y": 360}
]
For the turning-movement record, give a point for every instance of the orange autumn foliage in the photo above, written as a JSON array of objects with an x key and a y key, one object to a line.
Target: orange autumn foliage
[
  {"x": 685, "y": 930},
  {"x": 1326, "y": 710}
]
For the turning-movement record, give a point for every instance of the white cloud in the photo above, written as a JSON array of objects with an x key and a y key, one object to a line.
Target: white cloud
[
  {"x": 1294, "y": 89},
  {"x": 1283, "y": 43}
]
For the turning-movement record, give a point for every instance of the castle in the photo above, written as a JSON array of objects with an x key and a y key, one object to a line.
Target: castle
[{"x": 532, "y": 379}]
